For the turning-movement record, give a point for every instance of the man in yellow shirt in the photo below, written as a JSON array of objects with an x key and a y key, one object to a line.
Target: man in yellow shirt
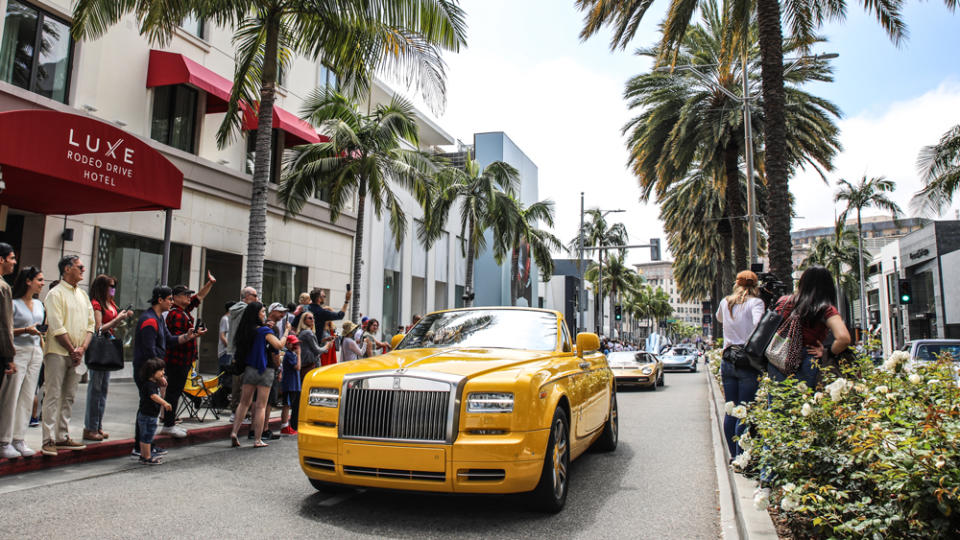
[{"x": 70, "y": 327}]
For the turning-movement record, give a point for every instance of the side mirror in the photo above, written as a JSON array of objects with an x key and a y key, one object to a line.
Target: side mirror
[
  {"x": 587, "y": 342},
  {"x": 395, "y": 340}
]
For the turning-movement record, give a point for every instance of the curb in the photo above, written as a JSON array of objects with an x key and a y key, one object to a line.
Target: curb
[
  {"x": 111, "y": 449},
  {"x": 751, "y": 524}
]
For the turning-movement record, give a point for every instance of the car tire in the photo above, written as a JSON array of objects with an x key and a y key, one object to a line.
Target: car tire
[
  {"x": 611, "y": 428},
  {"x": 551, "y": 492},
  {"x": 661, "y": 382}
]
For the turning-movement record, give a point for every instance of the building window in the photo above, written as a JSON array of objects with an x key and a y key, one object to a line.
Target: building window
[
  {"x": 36, "y": 52},
  {"x": 392, "y": 281},
  {"x": 328, "y": 78},
  {"x": 441, "y": 260},
  {"x": 195, "y": 25},
  {"x": 418, "y": 285},
  {"x": 274, "y": 159},
  {"x": 175, "y": 116},
  {"x": 282, "y": 282}
]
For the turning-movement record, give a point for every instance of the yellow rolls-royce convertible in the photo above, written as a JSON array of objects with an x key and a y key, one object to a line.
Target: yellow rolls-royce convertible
[{"x": 476, "y": 400}]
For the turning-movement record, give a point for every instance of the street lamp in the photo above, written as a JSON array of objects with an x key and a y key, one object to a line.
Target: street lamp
[
  {"x": 744, "y": 99},
  {"x": 603, "y": 213},
  {"x": 580, "y": 295}
]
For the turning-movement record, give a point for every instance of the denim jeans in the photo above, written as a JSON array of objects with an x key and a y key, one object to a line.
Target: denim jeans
[
  {"x": 97, "y": 385},
  {"x": 147, "y": 425},
  {"x": 740, "y": 387},
  {"x": 808, "y": 372}
]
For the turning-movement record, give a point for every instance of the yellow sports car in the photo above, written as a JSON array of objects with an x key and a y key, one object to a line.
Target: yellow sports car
[
  {"x": 638, "y": 368},
  {"x": 479, "y": 400}
]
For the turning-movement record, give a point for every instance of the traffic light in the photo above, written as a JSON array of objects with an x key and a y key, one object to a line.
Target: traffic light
[
  {"x": 618, "y": 312},
  {"x": 906, "y": 292},
  {"x": 654, "y": 249}
]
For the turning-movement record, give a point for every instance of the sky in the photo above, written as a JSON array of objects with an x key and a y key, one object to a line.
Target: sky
[{"x": 526, "y": 73}]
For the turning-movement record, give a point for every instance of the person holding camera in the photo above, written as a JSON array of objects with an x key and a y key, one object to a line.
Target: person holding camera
[
  {"x": 106, "y": 316},
  {"x": 739, "y": 314},
  {"x": 180, "y": 357},
  {"x": 18, "y": 389}
]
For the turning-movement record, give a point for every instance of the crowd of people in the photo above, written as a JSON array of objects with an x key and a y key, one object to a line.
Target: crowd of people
[{"x": 264, "y": 352}]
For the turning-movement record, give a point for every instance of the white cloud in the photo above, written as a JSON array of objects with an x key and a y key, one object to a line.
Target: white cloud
[{"x": 885, "y": 143}]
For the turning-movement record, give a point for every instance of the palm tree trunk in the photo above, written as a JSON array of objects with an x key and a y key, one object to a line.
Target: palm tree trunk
[
  {"x": 734, "y": 203},
  {"x": 471, "y": 249},
  {"x": 514, "y": 261},
  {"x": 863, "y": 277},
  {"x": 257, "y": 227},
  {"x": 358, "y": 250},
  {"x": 775, "y": 155}
]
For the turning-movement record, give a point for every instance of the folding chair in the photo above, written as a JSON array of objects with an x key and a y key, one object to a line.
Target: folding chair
[{"x": 198, "y": 396}]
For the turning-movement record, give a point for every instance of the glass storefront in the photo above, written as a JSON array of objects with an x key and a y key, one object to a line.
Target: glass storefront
[
  {"x": 282, "y": 282},
  {"x": 418, "y": 283},
  {"x": 392, "y": 280},
  {"x": 36, "y": 51},
  {"x": 441, "y": 258}
]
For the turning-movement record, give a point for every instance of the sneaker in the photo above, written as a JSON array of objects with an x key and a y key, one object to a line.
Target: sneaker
[
  {"x": 49, "y": 449},
  {"x": 174, "y": 431},
  {"x": 246, "y": 421},
  {"x": 22, "y": 447},
  {"x": 158, "y": 451},
  {"x": 269, "y": 435},
  {"x": 9, "y": 452},
  {"x": 135, "y": 453},
  {"x": 34, "y": 421},
  {"x": 233, "y": 417},
  {"x": 288, "y": 431},
  {"x": 154, "y": 460},
  {"x": 70, "y": 444}
]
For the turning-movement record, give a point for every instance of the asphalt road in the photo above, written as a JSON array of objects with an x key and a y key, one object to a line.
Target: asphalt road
[{"x": 660, "y": 483}]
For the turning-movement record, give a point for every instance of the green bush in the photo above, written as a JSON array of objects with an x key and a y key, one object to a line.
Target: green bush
[{"x": 874, "y": 454}]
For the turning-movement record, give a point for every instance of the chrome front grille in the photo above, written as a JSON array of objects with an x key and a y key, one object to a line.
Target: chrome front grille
[
  {"x": 399, "y": 407},
  {"x": 395, "y": 474}
]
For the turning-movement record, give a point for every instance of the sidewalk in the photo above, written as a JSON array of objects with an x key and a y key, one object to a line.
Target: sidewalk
[{"x": 118, "y": 420}]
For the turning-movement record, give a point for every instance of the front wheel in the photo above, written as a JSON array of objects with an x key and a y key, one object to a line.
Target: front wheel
[
  {"x": 611, "y": 429},
  {"x": 551, "y": 492}
]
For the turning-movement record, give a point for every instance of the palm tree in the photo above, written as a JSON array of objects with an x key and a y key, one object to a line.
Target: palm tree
[
  {"x": 480, "y": 194},
  {"x": 803, "y": 18},
  {"x": 515, "y": 229},
  {"x": 690, "y": 120},
  {"x": 597, "y": 232},
  {"x": 356, "y": 37},
  {"x": 366, "y": 156},
  {"x": 617, "y": 277},
  {"x": 865, "y": 194},
  {"x": 838, "y": 254},
  {"x": 939, "y": 166}
]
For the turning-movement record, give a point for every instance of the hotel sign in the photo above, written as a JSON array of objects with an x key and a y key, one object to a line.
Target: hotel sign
[{"x": 919, "y": 254}]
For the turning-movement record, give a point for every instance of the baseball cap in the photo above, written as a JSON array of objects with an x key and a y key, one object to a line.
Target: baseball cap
[
  {"x": 182, "y": 289},
  {"x": 292, "y": 341},
  {"x": 276, "y": 306}
]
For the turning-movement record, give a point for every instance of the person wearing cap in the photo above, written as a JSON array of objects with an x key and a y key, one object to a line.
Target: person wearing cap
[
  {"x": 322, "y": 314},
  {"x": 180, "y": 357},
  {"x": 276, "y": 317},
  {"x": 349, "y": 347},
  {"x": 290, "y": 386},
  {"x": 739, "y": 314}
]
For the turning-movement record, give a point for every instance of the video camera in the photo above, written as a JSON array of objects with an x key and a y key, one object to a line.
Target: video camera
[{"x": 771, "y": 289}]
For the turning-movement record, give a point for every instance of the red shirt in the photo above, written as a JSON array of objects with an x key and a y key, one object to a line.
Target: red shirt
[
  {"x": 180, "y": 321},
  {"x": 108, "y": 314},
  {"x": 811, "y": 334}
]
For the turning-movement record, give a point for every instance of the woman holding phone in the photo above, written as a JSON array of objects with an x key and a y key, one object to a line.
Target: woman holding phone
[
  {"x": 18, "y": 389},
  {"x": 106, "y": 316}
]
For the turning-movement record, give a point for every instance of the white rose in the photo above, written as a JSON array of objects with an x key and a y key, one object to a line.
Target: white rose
[
  {"x": 802, "y": 386},
  {"x": 806, "y": 409},
  {"x": 817, "y": 397},
  {"x": 728, "y": 407},
  {"x": 932, "y": 382},
  {"x": 739, "y": 411},
  {"x": 914, "y": 378},
  {"x": 745, "y": 441},
  {"x": 861, "y": 388},
  {"x": 742, "y": 460},
  {"x": 882, "y": 389},
  {"x": 788, "y": 487},
  {"x": 761, "y": 499},
  {"x": 789, "y": 504},
  {"x": 940, "y": 463}
]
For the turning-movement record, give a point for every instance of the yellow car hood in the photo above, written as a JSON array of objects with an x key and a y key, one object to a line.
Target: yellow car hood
[{"x": 470, "y": 362}]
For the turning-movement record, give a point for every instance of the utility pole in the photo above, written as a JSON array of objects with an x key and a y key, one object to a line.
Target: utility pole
[
  {"x": 748, "y": 159},
  {"x": 580, "y": 323}
]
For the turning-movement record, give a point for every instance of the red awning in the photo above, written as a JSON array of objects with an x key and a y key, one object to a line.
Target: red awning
[
  {"x": 167, "y": 68},
  {"x": 297, "y": 130},
  {"x": 59, "y": 163}
]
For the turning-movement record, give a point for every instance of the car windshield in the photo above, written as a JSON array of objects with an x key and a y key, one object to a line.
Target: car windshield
[
  {"x": 930, "y": 353},
  {"x": 500, "y": 328},
  {"x": 625, "y": 358},
  {"x": 681, "y": 352}
]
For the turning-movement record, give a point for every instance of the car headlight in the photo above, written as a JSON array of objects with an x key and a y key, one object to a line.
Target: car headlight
[
  {"x": 646, "y": 370},
  {"x": 324, "y": 397},
  {"x": 492, "y": 402}
]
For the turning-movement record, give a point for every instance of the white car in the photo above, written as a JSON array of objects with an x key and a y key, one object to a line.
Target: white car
[
  {"x": 925, "y": 351},
  {"x": 680, "y": 358}
]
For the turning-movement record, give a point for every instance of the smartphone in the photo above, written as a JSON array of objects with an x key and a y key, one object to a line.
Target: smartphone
[
  {"x": 348, "y": 287},
  {"x": 42, "y": 328},
  {"x": 198, "y": 325},
  {"x": 128, "y": 308}
]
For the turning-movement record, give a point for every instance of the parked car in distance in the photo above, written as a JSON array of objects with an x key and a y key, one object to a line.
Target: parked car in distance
[
  {"x": 477, "y": 400},
  {"x": 680, "y": 358},
  {"x": 636, "y": 368},
  {"x": 928, "y": 350}
]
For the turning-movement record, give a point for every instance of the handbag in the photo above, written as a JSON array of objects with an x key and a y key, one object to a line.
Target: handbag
[
  {"x": 785, "y": 350},
  {"x": 105, "y": 353},
  {"x": 756, "y": 345},
  {"x": 735, "y": 355}
]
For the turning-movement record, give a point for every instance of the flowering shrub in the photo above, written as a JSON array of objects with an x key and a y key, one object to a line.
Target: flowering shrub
[{"x": 876, "y": 454}]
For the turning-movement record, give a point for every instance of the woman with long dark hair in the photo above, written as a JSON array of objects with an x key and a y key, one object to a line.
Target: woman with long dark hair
[
  {"x": 253, "y": 339},
  {"x": 18, "y": 389},
  {"x": 106, "y": 316},
  {"x": 739, "y": 313},
  {"x": 813, "y": 306}
]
